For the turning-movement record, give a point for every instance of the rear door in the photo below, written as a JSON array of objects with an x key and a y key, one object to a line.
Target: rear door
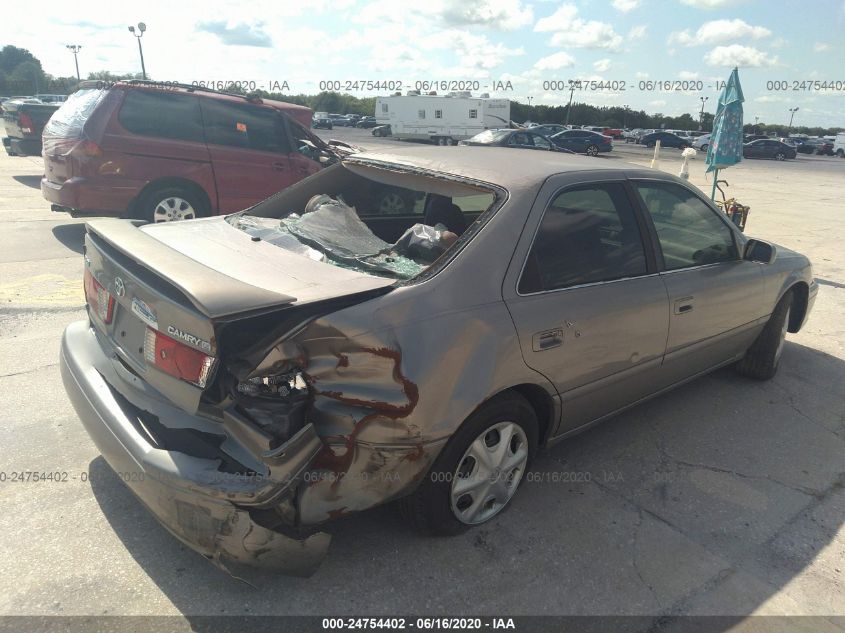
[
  {"x": 249, "y": 150},
  {"x": 715, "y": 297},
  {"x": 590, "y": 310}
]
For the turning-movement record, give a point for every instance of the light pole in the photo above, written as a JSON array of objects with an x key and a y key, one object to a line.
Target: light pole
[
  {"x": 141, "y": 27},
  {"x": 569, "y": 107},
  {"x": 74, "y": 48},
  {"x": 701, "y": 114},
  {"x": 625, "y": 117},
  {"x": 791, "y": 116}
]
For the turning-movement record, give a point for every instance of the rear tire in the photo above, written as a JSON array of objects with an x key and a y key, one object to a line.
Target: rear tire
[
  {"x": 704, "y": 147},
  {"x": 169, "y": 204},
  {"x": 592, "y": 150},
  {"x": 780, "y": 156},
  {"x": 762, "y": 359},
  {"x": 433, "y": 509}
]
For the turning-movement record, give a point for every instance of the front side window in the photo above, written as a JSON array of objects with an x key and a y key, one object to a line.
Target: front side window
[
  {"x": 520, "y": 138},
  {"x": 162, "y": 114},
  {"x": 587, "y": 235},
  {"x": 539, "y": 141},
  {"x": 689, "y": 231},
  {"x": 245, "y": 126}
]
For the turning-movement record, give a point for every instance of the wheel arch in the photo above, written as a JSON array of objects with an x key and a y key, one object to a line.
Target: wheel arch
[
  {"x": 544, "y": 404},
  {"x": 798, "y": 309},
  {"x": 164, "y": 183}
]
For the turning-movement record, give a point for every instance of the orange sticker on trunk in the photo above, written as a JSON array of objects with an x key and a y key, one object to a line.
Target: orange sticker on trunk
[{"x": 241, "y": 127}]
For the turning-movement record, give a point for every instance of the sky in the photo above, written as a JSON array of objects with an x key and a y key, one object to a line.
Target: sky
[{"x": 509, "y": 48}]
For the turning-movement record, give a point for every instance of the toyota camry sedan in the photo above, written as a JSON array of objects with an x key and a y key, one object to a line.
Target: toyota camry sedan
[{"x": 253, "y": 377}]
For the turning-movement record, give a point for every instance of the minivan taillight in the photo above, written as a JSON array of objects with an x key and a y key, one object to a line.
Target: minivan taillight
[
  {"x": 25, "y": 122},
  {"x": 101, "y": 302},
  {"x": 87, "y": 148},
  {"x": 177, "y": 359}
]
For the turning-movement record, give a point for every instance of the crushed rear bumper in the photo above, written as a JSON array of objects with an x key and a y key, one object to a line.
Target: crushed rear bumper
[{"x": 212, "y": 512}]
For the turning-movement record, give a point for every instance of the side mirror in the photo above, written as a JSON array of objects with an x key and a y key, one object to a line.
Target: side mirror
[{"x": 759, "y": 251}]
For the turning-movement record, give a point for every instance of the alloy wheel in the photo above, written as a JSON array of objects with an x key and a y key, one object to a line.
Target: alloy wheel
[{"x": 173, "y": 208}]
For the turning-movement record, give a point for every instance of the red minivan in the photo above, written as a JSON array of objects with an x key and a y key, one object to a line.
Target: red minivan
[{"x": 161, "y": 152}]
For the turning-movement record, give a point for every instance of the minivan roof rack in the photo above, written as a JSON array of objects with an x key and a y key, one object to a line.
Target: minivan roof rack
[{"x": 98, "y": 83}]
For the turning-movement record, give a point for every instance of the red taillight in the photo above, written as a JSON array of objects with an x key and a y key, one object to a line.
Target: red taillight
[
  {"x": 87, "y": 148},
  {"x": 177, "y": 359},
  {"x": 25, "y": 121},
  {"x": 101, "y": 302}
]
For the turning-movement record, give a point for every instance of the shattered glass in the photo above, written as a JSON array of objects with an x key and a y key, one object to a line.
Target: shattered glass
[{"x": 331, "y": 231}]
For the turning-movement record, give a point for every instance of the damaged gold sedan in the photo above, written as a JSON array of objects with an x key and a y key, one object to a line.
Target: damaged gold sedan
[{"x": 321, "y": 353}]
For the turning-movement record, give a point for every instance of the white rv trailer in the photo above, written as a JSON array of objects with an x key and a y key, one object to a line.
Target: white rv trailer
[{"x": 444, "y": 119}]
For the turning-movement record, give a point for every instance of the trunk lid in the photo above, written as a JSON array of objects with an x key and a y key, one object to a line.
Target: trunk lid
[{"x": 183, "y": 279}]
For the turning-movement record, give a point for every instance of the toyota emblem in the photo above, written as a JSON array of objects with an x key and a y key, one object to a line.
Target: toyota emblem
[{"x": 119, "y": 287}]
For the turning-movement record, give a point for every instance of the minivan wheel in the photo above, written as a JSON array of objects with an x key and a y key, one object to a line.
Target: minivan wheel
[
  {"x": 478, "y": 472},
  {"x": 169, "y": 205},
  {"x": 762, "y": 359}
]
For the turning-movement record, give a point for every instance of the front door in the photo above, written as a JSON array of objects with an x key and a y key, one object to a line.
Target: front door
[
  {"x": 249, "y": 152},
  {"x": 715, "y": 297},
  {"x": 590, "y": 311}
]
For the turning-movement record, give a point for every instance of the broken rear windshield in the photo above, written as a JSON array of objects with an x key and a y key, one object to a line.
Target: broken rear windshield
[{"x": 330, "y": 231}]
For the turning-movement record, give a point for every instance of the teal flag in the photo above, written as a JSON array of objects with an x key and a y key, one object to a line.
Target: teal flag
[{"x": 725, "y": 148}]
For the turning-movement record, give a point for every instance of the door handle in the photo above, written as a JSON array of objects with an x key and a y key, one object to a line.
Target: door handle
[
  {"x": 682, "y": 306},
  {"x": 547, "y": 339}
]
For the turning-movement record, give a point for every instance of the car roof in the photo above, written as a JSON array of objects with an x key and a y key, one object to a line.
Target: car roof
[{"x": 494, "y": 165}]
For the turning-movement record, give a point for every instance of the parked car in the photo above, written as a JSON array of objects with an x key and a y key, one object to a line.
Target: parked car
[
  {"x": 520, "y": 138},
  {"x": 45, "y": 98},
  {"x": 24, "y": 120},
  {"x": 825, "y": 148},
  {"x": 339, "y": 120},
  {"x": 255, "y": 376},
  {"x": 839, "y": 145},
  {"x": 583, "y": 142},
  {"x": 548, "y": 129},
  {"x": 756, "y": 137},
  {"x": 135, "y": 150},
  {"x": 809, "y": 145},
  {"x": 324, "y": 123},
  {"x": 381, "y": 130},
  {"x": 667, "y": 139},
  {"x": 366, "y": 122},
  {"x": 768, "y": 148},
  {"x": 702, "y": 142}
]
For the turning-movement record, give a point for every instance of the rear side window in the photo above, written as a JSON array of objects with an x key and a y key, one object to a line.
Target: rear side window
[
  {"x": 162, "y": 114},
  {"x": 690, "y": 232},
  {"x": 588, "y": 234},
  {"x": 68, "y": 120},
  {"x": 245, "y": 126}
]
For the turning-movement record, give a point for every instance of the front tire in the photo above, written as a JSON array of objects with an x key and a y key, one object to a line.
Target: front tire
[
  {"x": 478, "y": 472},
  {"x": 762, "y": 359},
  {"x": 704, "y": 147}
]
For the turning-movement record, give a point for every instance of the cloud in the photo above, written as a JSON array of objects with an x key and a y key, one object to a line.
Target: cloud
[
  {"x": 637, "y": 32},
  {"x": 499, "y": 14},
  {"x": 822, "y": 47},
  {"x": 624, "y": 6},
  {"x": 710, "y": 4},
  {"x": 738, "y": 55},
  {"x": 602, "y": 65},
  {"x": 571, "y": 31},
  {"x": 717, "y": 31},
  {"x": 658, "y": 103},
  {"x": 555, "y": 61},
  {"x": 641, "y": 75},
  {"x": 239, "y": 34},
  {"x": 474, "y": 51},
  {"x": 687, "y": 74}
]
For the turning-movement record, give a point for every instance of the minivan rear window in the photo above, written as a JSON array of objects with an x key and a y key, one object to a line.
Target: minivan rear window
[
  {"x": 162, "y": 114},
  {"x": 67, "y": 122}
]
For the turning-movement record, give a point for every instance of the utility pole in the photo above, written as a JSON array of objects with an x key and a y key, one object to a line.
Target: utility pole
[
  {"x": 141, "y": 28},
  {"x": 625, "y": 117},
  {"x": 74, "y": 48},
  {"x": 701, "y": 114}
]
